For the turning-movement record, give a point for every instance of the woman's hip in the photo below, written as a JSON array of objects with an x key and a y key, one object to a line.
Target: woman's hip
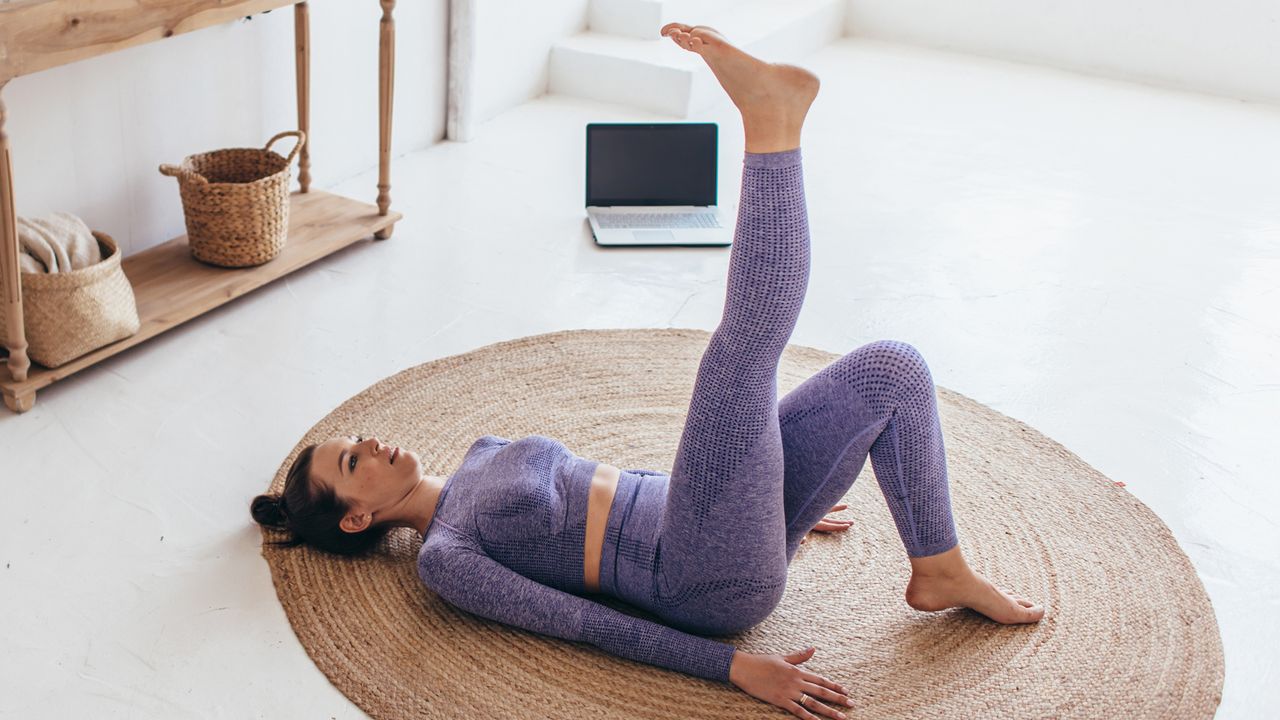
[{"x": 700, "y": 581}]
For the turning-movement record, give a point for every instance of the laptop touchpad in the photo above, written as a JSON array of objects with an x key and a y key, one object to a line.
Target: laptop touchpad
[{"x": 653, "y": 236}]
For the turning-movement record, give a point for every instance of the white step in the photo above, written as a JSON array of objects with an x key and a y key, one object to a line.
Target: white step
[
  {"x": 657, "y": 76},
  {"x": 642, "y": 19}
]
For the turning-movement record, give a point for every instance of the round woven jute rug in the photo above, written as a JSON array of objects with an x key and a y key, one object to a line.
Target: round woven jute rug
[{"x": 1128, "y": 629}]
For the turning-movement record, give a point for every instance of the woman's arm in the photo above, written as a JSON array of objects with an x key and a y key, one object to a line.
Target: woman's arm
[
  {"x": 478, "y": 584},
  {"x": 468, "y": 579}
]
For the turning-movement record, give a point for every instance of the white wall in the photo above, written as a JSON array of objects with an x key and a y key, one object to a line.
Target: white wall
[
  {"x": 512, "y": 55},
  {"x": 87, "y": 137},
  {"x": 1224, "y": 47}
]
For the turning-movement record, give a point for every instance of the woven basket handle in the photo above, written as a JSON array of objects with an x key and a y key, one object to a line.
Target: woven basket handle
[
  {"x": 302, "y": 139},
  {"x": 182, "y": 172}
]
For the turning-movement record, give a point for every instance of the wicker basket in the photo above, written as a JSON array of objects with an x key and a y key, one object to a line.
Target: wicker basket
[
  {"x": 236, "y": 202},
  {"x": 67, "y": 314}
]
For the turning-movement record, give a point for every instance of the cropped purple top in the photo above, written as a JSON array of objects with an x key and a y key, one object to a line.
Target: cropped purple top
[{"x": 506, "y": 543}]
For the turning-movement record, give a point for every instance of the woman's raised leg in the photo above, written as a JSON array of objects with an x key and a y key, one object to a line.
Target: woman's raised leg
[{"x": 721, "y": 563}]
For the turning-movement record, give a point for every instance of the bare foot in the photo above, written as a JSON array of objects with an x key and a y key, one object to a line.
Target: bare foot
[
  {"x": 973, "y": 591},
  {"x": 772, "y": 97}
]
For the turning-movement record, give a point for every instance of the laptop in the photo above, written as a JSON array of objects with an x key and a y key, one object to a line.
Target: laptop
[{"x": 654, "y": 184}]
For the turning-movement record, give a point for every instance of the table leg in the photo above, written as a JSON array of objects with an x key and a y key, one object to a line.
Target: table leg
[
  {"x": 302, "y": 64},
  {"x": 386, "y": 84},
  {"x": 10, "y": 278},
  {"x": 20, "y": 402}
]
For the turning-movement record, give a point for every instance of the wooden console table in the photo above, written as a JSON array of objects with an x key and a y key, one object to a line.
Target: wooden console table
[{"x": 171, "y": 287}]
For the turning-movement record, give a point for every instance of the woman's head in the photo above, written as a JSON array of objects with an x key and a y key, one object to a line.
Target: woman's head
[{"x": 340, "y": 494}]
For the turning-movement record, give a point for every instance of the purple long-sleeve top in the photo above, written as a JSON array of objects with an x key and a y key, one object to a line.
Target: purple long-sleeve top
[{"x": 506, "y": 543}]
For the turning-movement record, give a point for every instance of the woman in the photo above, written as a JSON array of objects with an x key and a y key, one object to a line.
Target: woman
[{"x": 521, "y": 530}]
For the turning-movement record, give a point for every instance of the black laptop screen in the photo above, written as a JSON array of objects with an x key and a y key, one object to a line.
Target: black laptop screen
[{"x": 651, "y": 164}]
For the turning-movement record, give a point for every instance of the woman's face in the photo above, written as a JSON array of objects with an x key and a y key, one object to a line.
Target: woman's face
[{"x": 368, "y": 475}]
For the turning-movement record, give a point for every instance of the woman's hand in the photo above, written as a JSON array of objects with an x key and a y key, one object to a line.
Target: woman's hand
[
  {"x": 831, "y": 524},
  {"x": 777, "y": 680}
]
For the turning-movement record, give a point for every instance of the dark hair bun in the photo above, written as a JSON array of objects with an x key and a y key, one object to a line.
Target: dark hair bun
[{"x": 268, "y": 510}]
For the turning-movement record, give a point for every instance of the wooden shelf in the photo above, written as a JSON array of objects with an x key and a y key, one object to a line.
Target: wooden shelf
[
  {"x": 172, "y": 287},
  {"x": 39, "y": 34},
  {"x": 169, "y": 285}
]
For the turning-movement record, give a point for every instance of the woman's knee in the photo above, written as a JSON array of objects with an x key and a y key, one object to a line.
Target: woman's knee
[
  {"x": 887, "y": 370},
  {"x": 905, "y": 360}
]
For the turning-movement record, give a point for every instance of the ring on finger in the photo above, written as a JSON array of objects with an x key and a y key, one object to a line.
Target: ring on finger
[{"x": 804, "y": 698}]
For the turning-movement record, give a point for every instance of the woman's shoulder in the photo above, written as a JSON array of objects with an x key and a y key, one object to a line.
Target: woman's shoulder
[
  {"x": 442, "y": 544},
  {"x": 488, "y": 441},
  {"x": 483, "y": 449},
  {"x": 523, "y": 442},
  {"x": 528, "y": 448}
]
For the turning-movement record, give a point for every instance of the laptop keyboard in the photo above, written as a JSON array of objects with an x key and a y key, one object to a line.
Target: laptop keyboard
[{"x": 657, "y": 220}]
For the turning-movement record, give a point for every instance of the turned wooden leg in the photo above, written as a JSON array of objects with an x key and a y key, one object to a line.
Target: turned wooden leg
[
  {"x": 386, "y": 84},
  {"x": 20, "y": 402},
  {"x": 302, "y": 63},
  {"x": 10, "y": 278}
]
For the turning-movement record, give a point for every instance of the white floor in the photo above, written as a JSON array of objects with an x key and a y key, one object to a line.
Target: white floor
[{"x": 1100, "y": 260}]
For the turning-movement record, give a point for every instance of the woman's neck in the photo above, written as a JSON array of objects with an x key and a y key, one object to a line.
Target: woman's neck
[{"x": 419, "y": 505}]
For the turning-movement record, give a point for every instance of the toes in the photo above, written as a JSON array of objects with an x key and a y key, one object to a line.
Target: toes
[
  {"x": 1022, "y": 614},
  {"x": 1024, "y": 602},
  {"x": 675, "y": 26},
  {"x": 682, "y": 39},
  {"x": 1031, "y": 609}
]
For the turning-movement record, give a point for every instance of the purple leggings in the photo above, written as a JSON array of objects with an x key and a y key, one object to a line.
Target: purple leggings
[{"x": 707, "y": 548}]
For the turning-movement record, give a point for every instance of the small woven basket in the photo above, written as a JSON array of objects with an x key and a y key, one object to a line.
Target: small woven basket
[
  {"x": 67, "y": 314},
  {"x": 236, "y": 202}
]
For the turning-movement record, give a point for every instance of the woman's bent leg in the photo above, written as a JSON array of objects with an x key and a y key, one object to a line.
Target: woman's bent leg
[{"x": 878, "y": 399}]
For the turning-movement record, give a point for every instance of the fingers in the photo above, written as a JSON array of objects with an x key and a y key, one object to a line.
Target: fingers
[
  {"x": 795, "y": 709},
  {"x": 833, "y": 525},
  {"x": 828, "y": 525},
  {"x": 811, "y": 706},
  {"x": 807, "y": 694},
  {"x": 800, "y": 656},
  {"x": 827, "y": 695},
  {"x": 817, "y": 679}
]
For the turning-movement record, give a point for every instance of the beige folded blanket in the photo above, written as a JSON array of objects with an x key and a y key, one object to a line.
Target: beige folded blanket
[{"x": 59, "y": 242}]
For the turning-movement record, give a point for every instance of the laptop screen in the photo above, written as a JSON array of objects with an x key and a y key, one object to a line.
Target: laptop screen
[{"x": 651, "y": 164}]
